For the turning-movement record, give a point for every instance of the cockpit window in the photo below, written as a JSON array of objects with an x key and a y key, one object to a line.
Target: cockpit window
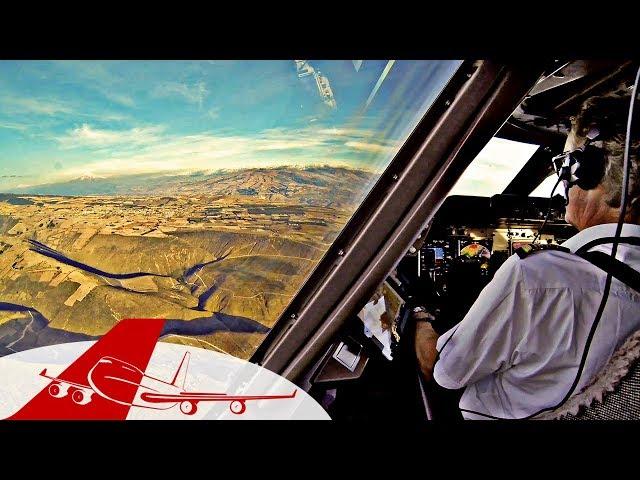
[
  {"x": 201, "y": 192},
  {"x": 546, "y": 186},
  {"x": 494, "y": 167}
]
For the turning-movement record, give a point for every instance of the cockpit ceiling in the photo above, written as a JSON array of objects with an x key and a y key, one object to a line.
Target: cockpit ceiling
[{"x": 545, "y": 113}]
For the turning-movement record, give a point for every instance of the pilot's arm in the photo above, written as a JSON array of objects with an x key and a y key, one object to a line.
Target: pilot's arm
[
  {"x": 426, "y": 339},
  {"x": 485, "y": 341}
]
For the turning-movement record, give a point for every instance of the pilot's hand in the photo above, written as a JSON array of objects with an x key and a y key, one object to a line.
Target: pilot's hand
[{"x": 425, "y": 345}]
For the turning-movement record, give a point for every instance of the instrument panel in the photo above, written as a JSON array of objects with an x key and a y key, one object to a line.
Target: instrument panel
[{"x": 469, "y": 239}]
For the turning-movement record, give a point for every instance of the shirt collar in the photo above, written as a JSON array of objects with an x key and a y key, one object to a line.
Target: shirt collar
[{"x": 600, "y": 231}]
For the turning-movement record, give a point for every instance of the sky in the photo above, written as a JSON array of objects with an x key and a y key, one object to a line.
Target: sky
[
  {"x": 494, "y": 168},
  {"x": 61, "y": 120},
  {"x": 545, "y": 188}
]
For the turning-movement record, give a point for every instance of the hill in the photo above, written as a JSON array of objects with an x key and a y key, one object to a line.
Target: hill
[{"x": 318, "y": 185}]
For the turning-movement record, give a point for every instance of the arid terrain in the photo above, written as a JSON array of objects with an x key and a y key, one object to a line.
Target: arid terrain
[{"x": 219, "y": 254}]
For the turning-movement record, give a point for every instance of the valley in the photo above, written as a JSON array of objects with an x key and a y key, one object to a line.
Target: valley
[{"x": 219, "y": 255}]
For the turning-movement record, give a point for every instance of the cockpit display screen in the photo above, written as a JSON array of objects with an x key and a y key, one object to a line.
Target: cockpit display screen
[
  {"x": 433, "y": 257},
  {"x": 438, "y": 254}
]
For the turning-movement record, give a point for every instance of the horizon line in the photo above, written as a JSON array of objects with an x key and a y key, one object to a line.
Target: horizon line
[{"x": 180, "y": 173}]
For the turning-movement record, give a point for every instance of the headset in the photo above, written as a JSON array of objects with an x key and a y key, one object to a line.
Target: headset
[{"x": 585, "y": 167}]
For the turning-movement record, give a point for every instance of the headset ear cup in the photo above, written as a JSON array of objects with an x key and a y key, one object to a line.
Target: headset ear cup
[{"x": 590, "y": 169}]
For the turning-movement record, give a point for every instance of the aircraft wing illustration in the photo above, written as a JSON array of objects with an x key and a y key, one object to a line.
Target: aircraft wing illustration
[
  {"x": 131, "y": 340},
  {"x": 208, "y": 397},
  {"x": 44, "y": 373}
]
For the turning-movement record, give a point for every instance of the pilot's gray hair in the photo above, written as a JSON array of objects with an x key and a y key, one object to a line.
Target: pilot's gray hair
[{"x": 609, "y": 114}]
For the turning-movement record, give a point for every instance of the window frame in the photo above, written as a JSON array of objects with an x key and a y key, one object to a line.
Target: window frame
[{"x": 477, "y": 100}]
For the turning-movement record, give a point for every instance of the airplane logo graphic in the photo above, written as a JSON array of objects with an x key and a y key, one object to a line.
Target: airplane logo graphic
[
  {"x": 109, "y": 378},
  {"x": 109, "y": 374}
]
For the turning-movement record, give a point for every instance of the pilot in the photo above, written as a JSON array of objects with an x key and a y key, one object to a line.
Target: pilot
[{"x": 518, "y": 349}]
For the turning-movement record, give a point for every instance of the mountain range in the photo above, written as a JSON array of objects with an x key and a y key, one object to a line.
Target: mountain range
[{"x": 317, "y": 185}]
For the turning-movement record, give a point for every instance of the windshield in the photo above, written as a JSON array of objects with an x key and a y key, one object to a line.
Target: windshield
[
  {"x": 200, "y": 192},
  {"x": 494, "y": 167},
  {"x": 546, "y": 187}
]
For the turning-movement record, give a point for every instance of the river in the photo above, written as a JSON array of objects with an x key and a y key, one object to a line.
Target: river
[{"x": 33, "y": 330}]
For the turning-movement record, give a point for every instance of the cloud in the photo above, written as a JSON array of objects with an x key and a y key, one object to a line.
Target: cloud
[
  {"x": 14, "y": 126},
  {"x": 195, "y": 93},
  {"x": 369, "y": 147},
  {"x": 49, "y": 111},
  {"x": 213, "y": 113},
  {"x": 12, "y": 176},
  {"x": 15, "y": 104},
  {"x": 151, "y": 150},
  {"x": 57, "y": 165},
  {"x": 87, "y": 136},
  {"x": 99, "y": 78},
  {"x": 348, "y": 132},
  {"x": 110, "y": 116},
  {"x": 119, "y": 98}
]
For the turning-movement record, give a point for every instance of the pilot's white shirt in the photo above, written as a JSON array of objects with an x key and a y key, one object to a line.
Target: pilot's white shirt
[{"x": 518, "y": 348}]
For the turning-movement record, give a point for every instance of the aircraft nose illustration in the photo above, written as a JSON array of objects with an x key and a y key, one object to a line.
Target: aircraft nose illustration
[{"x": 115, "y": 379}]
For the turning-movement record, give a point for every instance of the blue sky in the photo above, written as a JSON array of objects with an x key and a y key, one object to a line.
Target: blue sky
[{"x": 62, "y": 120}]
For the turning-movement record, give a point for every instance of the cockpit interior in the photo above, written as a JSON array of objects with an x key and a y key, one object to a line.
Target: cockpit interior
[
  {"x": 369, "y": 367},
  {"x": 293, "y": 214}
]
